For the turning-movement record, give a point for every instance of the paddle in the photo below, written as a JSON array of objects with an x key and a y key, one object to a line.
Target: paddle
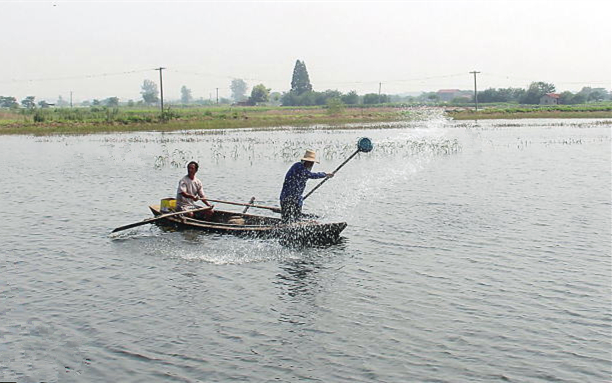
[
  {"x": 250, "y": 204},
  {"x": 150, "y": 220},
  {"x": 274, "y": 209},
  {"x": 363, "y": 145}
]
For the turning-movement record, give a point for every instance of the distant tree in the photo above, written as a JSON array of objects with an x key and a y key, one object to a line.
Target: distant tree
[
  {"x": 592, "y": 94},
  {"x": 490, "y": 95},
  {"x": 598, "y": 94},
  {"x": 510, "y": 94},
  {"x": 186, "y": 97},
  {"x": 300, "y": 82},
  {"x": 43, "y": 104},
  {"x": 321, "y": 98},
  {"x": 130, "y": 103},
  {"x": 370, "y": 98},
  {"x": 8, "y": 102},
  {"x": 239, "y": 88},
  {"x": 579, "y": 98},
  {"x": 335, "y": 106},
  {"x": 96, "y": 102},
  {"x": 461, "y": 100},
  {"x": 259, "y": 94},
  {"x": 61, "y": 102},
  {"x": 275, "y": 98},
  {"x": 536, "y": 91},
  {"x": 28, "y": 102},
  {"x": 375, "y": 98},
  {"x": 566, "y": 98},
  {"x": 351, "y": 98},
  {"x": 288, "y": 99},
  {"x": 112, "y": 102},
  {"x": 149, "y": 92},
  {"x": 86, "y": 103}
]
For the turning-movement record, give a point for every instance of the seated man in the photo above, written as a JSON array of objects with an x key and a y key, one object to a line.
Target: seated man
[{"x": 189, "y": 191}]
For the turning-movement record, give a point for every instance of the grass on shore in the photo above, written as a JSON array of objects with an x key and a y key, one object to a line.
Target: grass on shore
[
  {"x": 101, "y": 120},
  {"x": 601, "y": 110},
  {"x": 125, "y": 119}
]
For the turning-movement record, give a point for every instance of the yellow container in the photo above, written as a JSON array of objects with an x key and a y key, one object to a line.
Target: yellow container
[{"x": 168, "y": 205}]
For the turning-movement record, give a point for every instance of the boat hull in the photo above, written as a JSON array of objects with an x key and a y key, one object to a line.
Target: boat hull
[{"x": 255, "y": 226}]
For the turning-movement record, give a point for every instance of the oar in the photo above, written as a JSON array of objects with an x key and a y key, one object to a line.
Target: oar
[
  {"x": 250, "y": 204},
  {"x": 274, "y": 209},
  {"x": 150, "y": 220},
  {"x": 363, "y": 145}
]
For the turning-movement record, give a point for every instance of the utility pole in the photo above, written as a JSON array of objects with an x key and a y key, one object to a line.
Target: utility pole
[
  {"x": 71, "y": 99},
  {"x": 217, "y": 96},
  {"x": 379, "y": 88},
  {"x": 475, "y": 91},
  {"x": 161, "y": 90}
]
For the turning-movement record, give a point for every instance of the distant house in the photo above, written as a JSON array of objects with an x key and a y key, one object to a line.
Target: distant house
[
  {"x": 448, "y": 94},
  {"x": 550, "y": 99}
]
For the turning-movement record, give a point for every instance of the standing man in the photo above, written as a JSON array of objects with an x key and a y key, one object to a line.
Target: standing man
[
  {"x": 295, "y": 182},
  {"x": 190, "y": 190}
]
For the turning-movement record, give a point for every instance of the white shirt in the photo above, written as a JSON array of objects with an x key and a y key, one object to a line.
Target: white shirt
[{"x": 189, "y": 186}]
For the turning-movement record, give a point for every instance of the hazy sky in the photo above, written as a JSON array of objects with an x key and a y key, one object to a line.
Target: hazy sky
[{"x": 105, "y": 49}]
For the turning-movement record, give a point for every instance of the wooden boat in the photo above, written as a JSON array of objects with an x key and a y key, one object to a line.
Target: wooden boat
[{"x": 250, "y": 225}]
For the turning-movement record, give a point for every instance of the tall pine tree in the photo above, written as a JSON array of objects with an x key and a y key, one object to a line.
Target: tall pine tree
[{"x": 300, "y": 82}]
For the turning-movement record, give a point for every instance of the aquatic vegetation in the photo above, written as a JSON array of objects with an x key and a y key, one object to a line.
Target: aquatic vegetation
[{"x": 177, "y": 158}]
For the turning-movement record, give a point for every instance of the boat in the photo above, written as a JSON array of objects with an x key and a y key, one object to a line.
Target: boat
[{"x": 304, "y": 232}]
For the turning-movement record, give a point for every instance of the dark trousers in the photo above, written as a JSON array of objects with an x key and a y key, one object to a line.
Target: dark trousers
[{"x": 291, "y": 210}]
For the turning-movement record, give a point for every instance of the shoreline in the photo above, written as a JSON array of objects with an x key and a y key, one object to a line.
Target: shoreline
[{"x": 237, "y": 118}]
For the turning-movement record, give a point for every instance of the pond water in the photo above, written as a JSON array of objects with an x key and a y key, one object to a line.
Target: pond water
[{"x": 474, "y": 252}]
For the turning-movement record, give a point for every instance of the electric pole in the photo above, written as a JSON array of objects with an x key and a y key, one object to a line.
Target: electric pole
[
  {"x": 161, "y": 90},
  {"x": 71, "y": 99},
  {"x": 379, "y": 88},
  {"x": 475, "y": 91},
  {"x": 217, "y": 96}
]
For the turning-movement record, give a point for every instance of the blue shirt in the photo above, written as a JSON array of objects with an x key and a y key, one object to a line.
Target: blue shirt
[{"x": 295, "y": 182}]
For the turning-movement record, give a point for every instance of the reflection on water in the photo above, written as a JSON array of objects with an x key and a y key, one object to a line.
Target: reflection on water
[{"x": 473, "y": 252}]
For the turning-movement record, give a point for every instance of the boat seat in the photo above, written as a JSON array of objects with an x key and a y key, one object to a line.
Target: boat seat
[{"x": 236, "y": 220}]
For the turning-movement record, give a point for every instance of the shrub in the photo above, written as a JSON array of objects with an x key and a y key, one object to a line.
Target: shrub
[{"x": 39, "y": 116}]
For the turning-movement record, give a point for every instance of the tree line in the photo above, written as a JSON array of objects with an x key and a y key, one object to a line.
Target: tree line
[
  {"x": 303, "y": 94},
  {"x": 536, "y": 90}
]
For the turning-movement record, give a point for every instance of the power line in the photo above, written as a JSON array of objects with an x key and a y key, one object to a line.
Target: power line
[
  {"x": 86, "y": 76},
  {"x": 516, "y": 78}
]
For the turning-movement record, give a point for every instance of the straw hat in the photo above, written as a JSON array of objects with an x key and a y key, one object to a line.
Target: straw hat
[{"x": 310, "y": 156}]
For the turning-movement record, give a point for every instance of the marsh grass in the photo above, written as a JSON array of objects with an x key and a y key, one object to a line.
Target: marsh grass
[
  {"x": 108, "y": 120},
  {"x": 125, "y": 119},
  {"x": 599, "y": 110}
]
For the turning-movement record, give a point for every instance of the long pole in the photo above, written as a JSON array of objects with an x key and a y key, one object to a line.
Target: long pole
[
  {"x": 334, "y": 172},
  {"x": 161, "y": 90},
  {"x": 475, "y": 91},
  {"x": 217, "y": 96}
]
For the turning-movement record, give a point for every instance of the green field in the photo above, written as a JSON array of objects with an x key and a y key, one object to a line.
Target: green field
[
  {"x": 123, "y": 119},
  {"x": 85, "y": 120},
  {"x": 508, "y": 111}
]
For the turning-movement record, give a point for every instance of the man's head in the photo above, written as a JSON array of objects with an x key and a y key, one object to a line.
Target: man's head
[
  {"x": 192, "y": 169},
  {"x": 310, "y": 157},
  {"x": 308, "y": 164}
]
